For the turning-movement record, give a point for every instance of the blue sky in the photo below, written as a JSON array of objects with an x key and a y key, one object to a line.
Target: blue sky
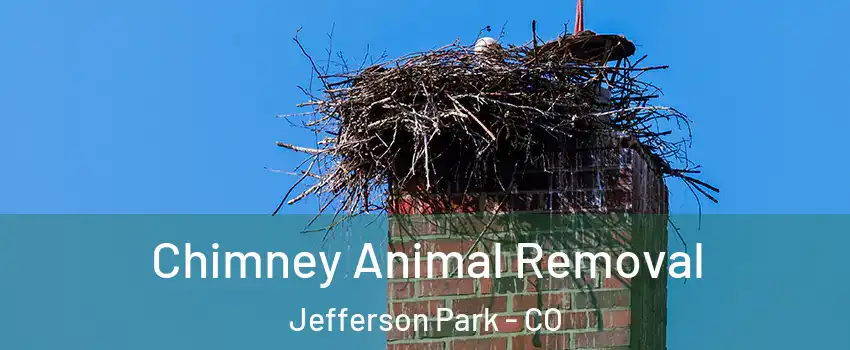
[{"x": 169, "y": 106}]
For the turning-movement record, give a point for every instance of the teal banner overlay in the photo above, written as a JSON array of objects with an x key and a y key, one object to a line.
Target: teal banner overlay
[
  {"x": 90, "y": 282},
  {"x": 87, "y": 282}
]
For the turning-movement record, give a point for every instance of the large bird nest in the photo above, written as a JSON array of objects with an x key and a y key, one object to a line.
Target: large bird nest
[{"x": 450, "y": 115}]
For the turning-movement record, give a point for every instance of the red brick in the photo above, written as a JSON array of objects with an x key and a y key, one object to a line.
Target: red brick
[
  {"x": 398, "y": 269},
  {"x": 601, "y": 299},
  {"x": 480, "y": 344},
  {"x": 401, "y": 290},
  {"x": 436, "y": 245},
  {"x": 618, "y": 198},
  {"x": 402, "y": 206},
  {"x": 543, "y": 265},
  {"x": 406, "y": 247},
  {"x": 449, "y": 204},
  {"x": 623, "y": 238},
  {"x": 616, "y": 282},
  {"x": 479, "y": 223},
  {"x": 396, "y": 334},
  {"x": 601, "y": 339},
  {"x": 504, "y": 326},
  {"x": 547, "y": 342},
  {"x": 441, "y": 287},
  {"x": 506, "y": 262},
  {"x": 550, "y": 284},
  {"x": 549, "y": 300},
  {"x": 526, "y": 267},
  {"x": 486, "y": 285},
  {"x": 503, "y": 285},
  {"x": 571, "y": 320},
  {"x": 405, "y": 226},
  {"x": 478, "y": 304},
  {"x": 417, "y": 346},
  {"x": 432, "y": 204},
  {"x": 447, "y": 246},
  {"x": 417, "y": 307},
  {"x": 625, "y": 187},
  {"x": 492, "y": 205},
  {"x": 614, "y": 319}
]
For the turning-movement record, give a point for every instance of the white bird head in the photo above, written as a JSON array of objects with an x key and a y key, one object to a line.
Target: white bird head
[{"x": 486, "y": 43}]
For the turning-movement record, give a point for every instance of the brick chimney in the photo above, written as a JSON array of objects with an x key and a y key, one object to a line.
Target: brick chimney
[{"x": 596, "y": 313}]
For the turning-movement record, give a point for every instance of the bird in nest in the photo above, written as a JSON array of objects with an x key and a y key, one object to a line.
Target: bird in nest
[{"x": 489, "y": 50}]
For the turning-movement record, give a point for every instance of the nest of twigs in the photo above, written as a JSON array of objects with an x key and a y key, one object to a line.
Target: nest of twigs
[{"x": 454, "y": 116}]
